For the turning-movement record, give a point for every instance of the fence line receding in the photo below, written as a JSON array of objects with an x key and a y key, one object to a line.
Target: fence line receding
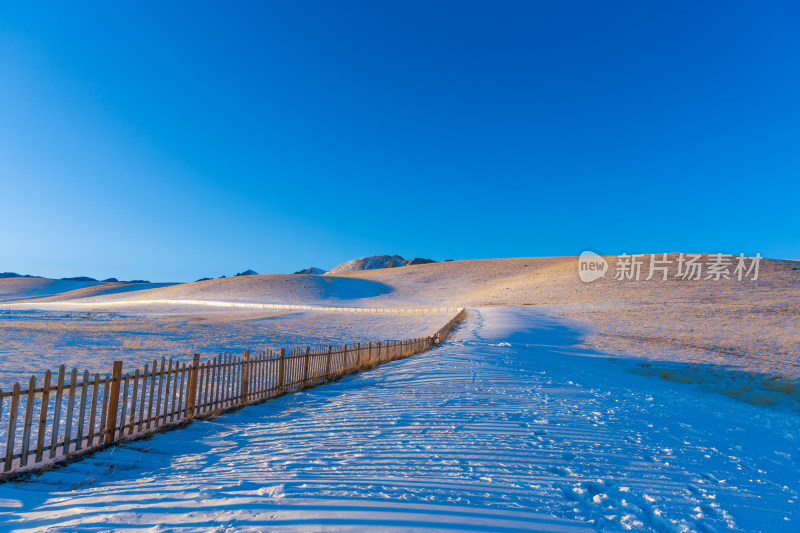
[{"x": 72, "y": 413}]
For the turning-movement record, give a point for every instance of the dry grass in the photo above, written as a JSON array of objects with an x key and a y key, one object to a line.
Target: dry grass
[
  {"x": 751, "y": 325},
  {"x": 751, "y": 387},
  {"x": 31, "y": 343}
]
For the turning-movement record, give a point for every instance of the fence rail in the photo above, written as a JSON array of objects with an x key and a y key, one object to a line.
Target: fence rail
[{"x": 78, "y": 413}]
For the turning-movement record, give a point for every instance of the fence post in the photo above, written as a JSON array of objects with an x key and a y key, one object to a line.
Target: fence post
[
  {"x": 113, "y": 403},
  {"x": 42, "y": 416},
  {"x": 282, "y": 371},
  {"x": 57, "y": 413},
  {"x": 358, "y": 355},
  {"x": 192, "y": 393},
  {"x": 26, "y": 428},
  {"x": 328, "y": 364},
  {"x": 245, "y": 376},
  {"x": 369, "y": 354},
  {"x": 12, "y": 427},
  {"x": 345, "y": 359},
  {"x": 305, "y": 367}
]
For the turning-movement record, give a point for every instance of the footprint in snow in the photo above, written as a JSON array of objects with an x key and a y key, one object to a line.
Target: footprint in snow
[
  {"x": 561, "y": 471},
  {"x": 713, "y": 479},
  {"x": 274, "y": 491}
]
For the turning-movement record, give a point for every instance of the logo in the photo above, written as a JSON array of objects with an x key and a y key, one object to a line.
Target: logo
[
  {"x": 664, "y": 267},
  {"x": 591, "y": 267}
]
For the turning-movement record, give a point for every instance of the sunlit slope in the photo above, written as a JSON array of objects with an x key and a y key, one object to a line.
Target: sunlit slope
[
  {"x": 754, "y": 324},
  {"x": 518, "y": 281},
  {"x": 271, "y": 288},
  {"x": 26, "y": 288},
  {"x": 44, "y": 289},
  {"x": 751, "y": 325},
  {"x": 555, "y": 281}
]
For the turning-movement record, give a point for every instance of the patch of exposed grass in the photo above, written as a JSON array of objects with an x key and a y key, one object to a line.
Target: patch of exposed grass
[{"x": 749, "y": 387}]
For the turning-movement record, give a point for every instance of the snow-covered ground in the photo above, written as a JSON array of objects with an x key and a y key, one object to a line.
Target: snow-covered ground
[
  {"x": 34, "y": 341},
  {"x": 508, "y": 426}
]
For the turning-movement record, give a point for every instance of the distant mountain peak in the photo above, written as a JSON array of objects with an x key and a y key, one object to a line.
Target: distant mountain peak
[
  {"x": 15, "y": 275},
  {"x": 373, "y": 262},
  {"x": 311, "y": 270}
]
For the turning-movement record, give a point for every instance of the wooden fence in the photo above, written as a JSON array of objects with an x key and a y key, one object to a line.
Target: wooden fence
[{"x": 72, "y": 414}]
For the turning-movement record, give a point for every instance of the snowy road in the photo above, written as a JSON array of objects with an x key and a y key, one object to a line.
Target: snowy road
[{"x": 504, "y": 428}]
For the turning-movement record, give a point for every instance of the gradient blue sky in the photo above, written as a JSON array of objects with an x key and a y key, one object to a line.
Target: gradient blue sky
[{"x": 172, "y": 141}]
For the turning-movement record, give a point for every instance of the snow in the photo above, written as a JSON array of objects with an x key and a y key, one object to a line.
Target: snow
[
  {"x": 34, "y": 341},
  {"x": 522, "y": 420},
  {"x": 508, "y": 426}
]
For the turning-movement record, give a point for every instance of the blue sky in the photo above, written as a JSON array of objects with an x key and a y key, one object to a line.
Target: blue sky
[{"x": 172, "y": 141}]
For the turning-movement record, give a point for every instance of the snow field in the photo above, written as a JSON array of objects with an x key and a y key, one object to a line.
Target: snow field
[
  {"x": 34, "y": 341},
  {"x": 506, "y": 427}
]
